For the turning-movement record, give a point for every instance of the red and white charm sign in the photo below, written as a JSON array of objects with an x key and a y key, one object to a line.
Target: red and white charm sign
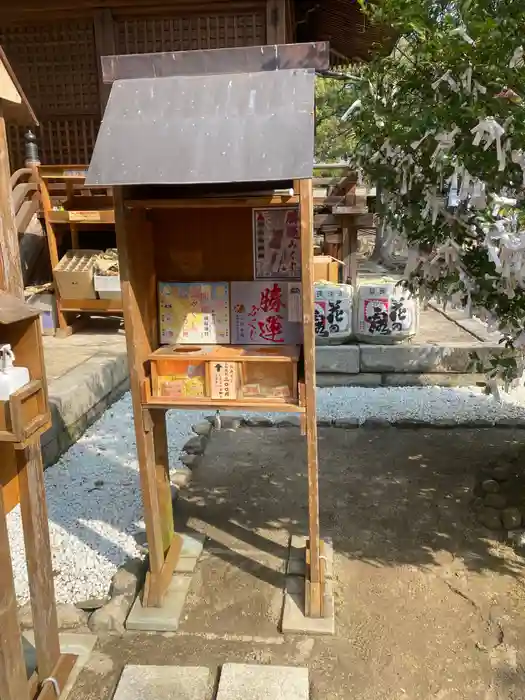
[{"x": 266, "y": 313}]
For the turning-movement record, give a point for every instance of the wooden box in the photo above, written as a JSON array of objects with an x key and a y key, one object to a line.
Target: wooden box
[{"x": 217, "y": 375}]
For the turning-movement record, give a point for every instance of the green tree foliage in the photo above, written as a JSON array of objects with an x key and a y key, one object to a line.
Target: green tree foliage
[
  {"x": 331, "y": 133},
  {"x": 440, "y": 126}
]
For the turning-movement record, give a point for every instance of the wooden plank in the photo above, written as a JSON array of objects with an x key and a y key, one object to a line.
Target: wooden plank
[
  {"x": 139, "y": 293},
  {"x": 358, "y": 209},
  {"x": 162, "y": 470},
  {"x": 38, "y": 557},
  {"x": 160, "y": 582},
  {"x": 61, "y": 673},
  {"x": 306, "y": 215},
  {"x": 13, "y": 675},
  {"x": 92, "y": 305},
  {"x": 225, "y": 405},
  {"x": 276, "y": 22},
  {"x": 350, "y": 247},
  {"x": 215, "y": 202},
  {"x": 104, "y": 33},
  {"x": 11, "y": 278},
  {"x": 52, "y": 243},
  {"x": 91, "y": 217},
  {"x": 213, "y": 353}
]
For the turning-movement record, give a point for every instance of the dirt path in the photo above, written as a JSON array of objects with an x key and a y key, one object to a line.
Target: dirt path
[{"x": 428, "y": 603}]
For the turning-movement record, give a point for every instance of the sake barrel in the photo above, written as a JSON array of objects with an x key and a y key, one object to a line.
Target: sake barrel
[
  {"x": 332, "y": 312},
  {"x": 384, "y": 313}
]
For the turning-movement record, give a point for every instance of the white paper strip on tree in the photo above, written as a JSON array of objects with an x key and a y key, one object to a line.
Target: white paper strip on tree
[{"x": 384, "y": 313}]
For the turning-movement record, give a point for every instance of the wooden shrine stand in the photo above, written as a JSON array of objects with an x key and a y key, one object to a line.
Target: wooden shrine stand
[
  {"x": 217, "y": 315},
  {"x": 23, "y": 419}
]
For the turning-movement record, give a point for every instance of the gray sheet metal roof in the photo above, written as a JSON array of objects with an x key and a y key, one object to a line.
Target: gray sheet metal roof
[
  {"x": 244, "y": 127},
  {"x": 241, "y": 59}
]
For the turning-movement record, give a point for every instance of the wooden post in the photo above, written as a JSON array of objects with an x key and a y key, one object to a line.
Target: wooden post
[
  {"x": 350, "y": 245},
  {"x": 104, "y": 35},
  {"x": 13, "y": 675},
  {"x": 314, "y": 588},
  {"x": 276, "y": 22},
  {"x": 38, "y": 556},
  {"x": 11, "y": 279},
  {"x": 138, "y": 283}
]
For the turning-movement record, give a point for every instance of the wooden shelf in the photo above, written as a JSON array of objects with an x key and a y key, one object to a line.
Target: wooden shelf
[
  {"x": 227, "y": 405},
  {"x": 92, "y": 217},
  {"x": 91, "y": 305},
  {"x": 217, "y": 202},
  {"x": 225, "y": 353}
]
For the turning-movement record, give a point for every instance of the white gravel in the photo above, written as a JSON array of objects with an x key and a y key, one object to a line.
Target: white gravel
[{"x": 93, "y": 491}]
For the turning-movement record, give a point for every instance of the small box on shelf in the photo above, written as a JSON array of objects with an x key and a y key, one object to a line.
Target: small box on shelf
[
  {"x": 74, "y": 274},
  {"x": 250, "y": 375},
  {"x": 107, "y": 287}
]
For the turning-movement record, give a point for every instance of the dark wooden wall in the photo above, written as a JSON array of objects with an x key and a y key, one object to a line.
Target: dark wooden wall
[{"x": 55, "y": 53}]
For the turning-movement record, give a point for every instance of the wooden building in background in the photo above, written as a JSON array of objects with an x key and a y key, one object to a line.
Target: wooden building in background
[{"x": 55, "y": 47}]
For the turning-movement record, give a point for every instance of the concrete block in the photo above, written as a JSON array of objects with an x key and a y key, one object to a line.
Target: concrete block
[
  {"x": 166, "y": 618},
  {"x": 192, "y": 547},
  {"x": 254, "y": 682},
  {"x": 434, "y": 379},
  {"x": 79, "y": 644},
  {"x": 367, "y": 379},
  {"x": 423, "y": 359},
  {"x": 297, "y": 556},
  {"x": 341, "y": 359},
  {"x": 295, "y": 621},
  {"x": 164, "y": 683}
]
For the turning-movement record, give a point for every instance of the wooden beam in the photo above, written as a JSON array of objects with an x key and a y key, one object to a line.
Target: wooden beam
[
  {"x": 13, "y": 675},
  {"x": 313, "y": 582},
  {"x": 11, "y": 278},
  {"x": 61, "y": 673},
  {"x": 38, "y": 556},
  {"x": 276, "y": 22},
  {"x": 350, "y": 246},
  {"x": 104, "y": 33},
  {"x": 139, "y": 291}
]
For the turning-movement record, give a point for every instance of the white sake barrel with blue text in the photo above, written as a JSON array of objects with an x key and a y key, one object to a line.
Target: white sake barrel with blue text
[
  {"x": 332, "y": 312},
  {"x": 384, "y": 313}
]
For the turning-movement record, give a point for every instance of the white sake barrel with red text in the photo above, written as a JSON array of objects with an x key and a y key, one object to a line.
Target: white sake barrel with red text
[
  {"x": 384, "y": 313},
  {"x": 332, "y": 312}
]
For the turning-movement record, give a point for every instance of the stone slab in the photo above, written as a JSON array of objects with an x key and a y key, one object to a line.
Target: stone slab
[
  {"x": 342, "y": 359},
  {"x": 166, "y": 618},
  {"x": 432, "y": 379},
  {"x": 367, "y": 379},
  {"x": 70, "y": 643},
  {"x": 164, "y": 683},
  {"x": 296, "y": 564},
  {"x": 423, "y": 358},
  {"x": 192, "y": 547},
  {"x": 294, "y": 620},
  {"x": 254, "y": 682}
]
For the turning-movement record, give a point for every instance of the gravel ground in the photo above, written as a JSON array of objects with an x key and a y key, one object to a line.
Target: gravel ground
[{"x": 94, "y": 496}]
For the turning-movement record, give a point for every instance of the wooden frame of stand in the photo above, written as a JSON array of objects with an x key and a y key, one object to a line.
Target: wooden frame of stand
[
  {"x": 23, "y": 419},
  {"x": 139, "y": 225},
  {"x": 192, "y": 221}
]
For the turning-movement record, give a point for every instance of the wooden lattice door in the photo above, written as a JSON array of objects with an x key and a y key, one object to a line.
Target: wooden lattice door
[
  {"x": 56, "y": 64},
  {"x": 141, "y": 34}
]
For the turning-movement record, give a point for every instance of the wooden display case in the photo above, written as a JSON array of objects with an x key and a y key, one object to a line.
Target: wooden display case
[
  {"x": 216, "y": 264},
  {"x": 23, "y": 419},
  {"x": 83, "y": 208}
]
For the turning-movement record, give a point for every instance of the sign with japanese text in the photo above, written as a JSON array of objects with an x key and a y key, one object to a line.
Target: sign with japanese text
[
  {"x": 386, "y": 311},
  {"x": 194, "y": 312},
  {"x": 266, "y": 313},
  {"x": 224, "y": 380},
  {"x": 277, "y": 250},
  {"x": 333, "y": 311}
]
